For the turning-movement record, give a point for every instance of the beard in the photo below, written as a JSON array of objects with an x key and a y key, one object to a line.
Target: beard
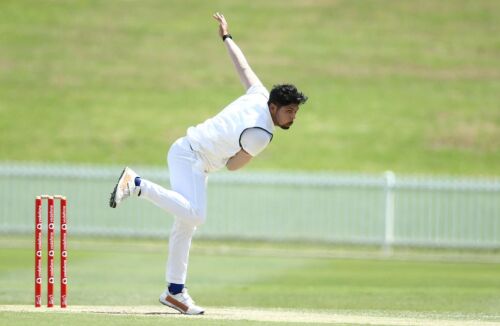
[{"x": 286, "y": 126}]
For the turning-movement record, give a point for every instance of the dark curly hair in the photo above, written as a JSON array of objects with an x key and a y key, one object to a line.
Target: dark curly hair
[{"x": 286, "y": 94}]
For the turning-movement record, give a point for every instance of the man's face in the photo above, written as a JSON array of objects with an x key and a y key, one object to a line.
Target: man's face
[{"x": 284, "y": 116}]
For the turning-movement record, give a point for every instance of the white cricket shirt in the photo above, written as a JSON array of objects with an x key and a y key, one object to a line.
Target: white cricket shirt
[{"x": 245, "y": 123}]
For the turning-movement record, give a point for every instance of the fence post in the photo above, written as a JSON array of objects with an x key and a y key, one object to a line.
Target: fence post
[{"x": 390, "y": 181}]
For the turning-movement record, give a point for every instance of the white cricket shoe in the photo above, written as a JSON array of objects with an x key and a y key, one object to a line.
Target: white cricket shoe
[
  {"x": 124, "y": 188},
  {"x": 182, "y": 302}
]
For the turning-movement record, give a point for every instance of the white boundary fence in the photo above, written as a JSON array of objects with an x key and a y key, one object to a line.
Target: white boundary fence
[{"x": 342, "y": 208}]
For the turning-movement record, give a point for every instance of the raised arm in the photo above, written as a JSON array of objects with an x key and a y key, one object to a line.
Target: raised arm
[{"x": 247, "y": 76}]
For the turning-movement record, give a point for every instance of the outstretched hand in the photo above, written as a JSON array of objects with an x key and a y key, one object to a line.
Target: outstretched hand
[
  {"x": 223, "y": 29},
  {"x": 247, "y": 76}
]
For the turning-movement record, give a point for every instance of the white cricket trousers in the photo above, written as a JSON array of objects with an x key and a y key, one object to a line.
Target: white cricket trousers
[{"x": 187, "y": 201}]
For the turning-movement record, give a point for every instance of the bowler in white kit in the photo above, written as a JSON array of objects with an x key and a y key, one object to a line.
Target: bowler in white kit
[{"x": 230, "y": 139}]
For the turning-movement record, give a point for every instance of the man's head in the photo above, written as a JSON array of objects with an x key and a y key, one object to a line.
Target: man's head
[{"x": 284, "y": 101}]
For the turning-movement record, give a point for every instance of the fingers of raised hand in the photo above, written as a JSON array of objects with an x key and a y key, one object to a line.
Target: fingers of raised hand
[{"x": 219, "y": 17}]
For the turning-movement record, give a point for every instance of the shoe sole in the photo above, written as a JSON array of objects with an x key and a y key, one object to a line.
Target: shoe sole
[
  {"x": 178, "y": 309},
  {"x": 112, "y": 199}
]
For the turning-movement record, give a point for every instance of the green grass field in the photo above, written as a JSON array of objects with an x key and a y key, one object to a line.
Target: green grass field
[
  {"x": 411, "y": 86},
  {"x": 311, "y": 278}
]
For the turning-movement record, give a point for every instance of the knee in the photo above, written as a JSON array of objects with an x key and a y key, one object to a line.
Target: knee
[
  {"x": 199, "y": 218},
  {"x": 194, "y": 216}
]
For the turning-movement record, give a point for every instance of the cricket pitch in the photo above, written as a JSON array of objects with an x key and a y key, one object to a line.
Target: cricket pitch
[{"x": 262, "y": 315}]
